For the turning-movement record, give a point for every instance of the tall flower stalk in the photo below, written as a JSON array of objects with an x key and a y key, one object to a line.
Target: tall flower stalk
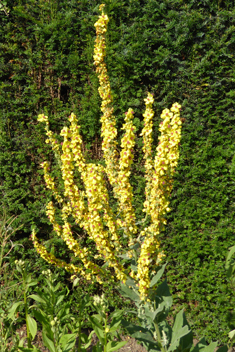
[{"x": 115, "y": 235}]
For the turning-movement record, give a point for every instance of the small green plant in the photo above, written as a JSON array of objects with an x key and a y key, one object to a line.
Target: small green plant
[
  {"x": 6, "y": 231},
  {"x": 27, "y": 283},
  {"x": 7, "y": 332},
  {"x": 53, "y": 312},
  {"x": 60, "y": 330},
  {"x": 106, "y": 332},
  {"x": 7, "y": 287}
]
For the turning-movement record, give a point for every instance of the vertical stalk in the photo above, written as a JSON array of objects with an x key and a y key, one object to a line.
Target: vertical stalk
[
  {"x": 79, "y": 333},
  {"x": 159, "y": 337},
  {"x": 1, "y": 256},
  {"x": 135, "y": 256},
  {"x": 105, "y": 334},
  {"x": 26, "y": 314},
  {"x": 163, "y": 349}
]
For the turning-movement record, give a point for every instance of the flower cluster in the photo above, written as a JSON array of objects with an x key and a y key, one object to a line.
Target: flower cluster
[
  {"x": 108, "y": 128},
  {"x": 123, "y": 189},
  {"x": 89, "y": 203},
  {"x": 147, "y": 141},
  {"x": 118, "y": 175},
  {"x": 50, "y": 181},
  {"x": 106, "y": 240},
  {"x": 165, "y": 161},
  {"x": 50, "y": 258},
  {"x": 43, "y": 118},
  {"x": 159, "y": 186}
]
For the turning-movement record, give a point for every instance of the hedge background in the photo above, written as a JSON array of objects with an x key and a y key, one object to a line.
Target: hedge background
[{"x": 181, "y": 51}]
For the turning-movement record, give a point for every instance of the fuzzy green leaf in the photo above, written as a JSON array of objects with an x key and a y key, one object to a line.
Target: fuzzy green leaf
[
  {"x": 158, "y": 276},
  {"x": 181, "y": 334},
  {"x": 129, "y": 293},
  {"x": 141, "y": 334},
  {"x": 202, "y": 346},
  {"x": 163, "y": 301}
]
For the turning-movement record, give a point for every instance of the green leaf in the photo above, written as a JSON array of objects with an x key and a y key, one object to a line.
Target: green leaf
[
  {"x": 37, "y": 298},
  {"x": 135, "y": 246},
  {"x": 131, "y": 283},
  {"x": 117, "y": 314},
  {"x": 179, "y": 331},
  {"x": 129, "y": 293},
  {"x": 22, "y": 340},
  {"x": 141, "y": 334},
  {"x": 32, "y": 325},
  {"x": 67, "y": 342},
  {"x": 158, "y": 276},
  {"x": 32, "y": 283},
  {"x": 97, "y": 348},
  {"x": 134, "y": 268},
  {"x": 13, "y": 309},
  {"x": 48, "y": 342},
  {"x": 89, "y": 340},
  {"x": 151, "y": 313},
  {"x": 57, "y": 287},
  {"x": 40, "y": 317},
  {"x": 228, "y": 263},
  {"x": 60, "y": 299},
  {"x": 34, "y": 349},
  {"x": 116, "y": 320},
  {"x": 223, "y": 349},
  {"x": 99, "y": 330},
  {"x": 212, "y": 346},
  {"x": 163, "y": 301},
  {"x": 231, "y": 335},
  {"x": 202, "y": 346},
  {"x": 166, "y": 332},
  {"x": 124, "y": 256},
  {"x": 175, "y": 343},
  {"x": 95, "y": 322},
  {"x": 115, "y": 345},
  {"x": 84, "y": 337}
]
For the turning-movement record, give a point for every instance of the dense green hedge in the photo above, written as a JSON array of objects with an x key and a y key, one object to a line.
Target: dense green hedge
[{"x": 180, "y": 50}]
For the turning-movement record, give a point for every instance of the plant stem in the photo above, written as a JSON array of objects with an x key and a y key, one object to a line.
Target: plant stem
[
  {"x": 26, "y": 316},
  {"x": 136, "y": 258},
  {"x": 105, "y": 334},
  {"x": 1, "y": 256},
  {"x": 159, "y": 337},
  {"x": 163, "y": 349},
  {"x": 79, "y": 334}
]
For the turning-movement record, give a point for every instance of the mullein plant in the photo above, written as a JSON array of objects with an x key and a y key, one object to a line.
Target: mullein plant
[
  {"x": 129, "y": 252},
  {"x": 90, "y": 207}
]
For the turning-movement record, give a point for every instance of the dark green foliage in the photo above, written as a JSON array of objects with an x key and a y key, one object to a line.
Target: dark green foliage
[
  {"x": 180, "y": 50},
  {"x": 44, "y": 51}
]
